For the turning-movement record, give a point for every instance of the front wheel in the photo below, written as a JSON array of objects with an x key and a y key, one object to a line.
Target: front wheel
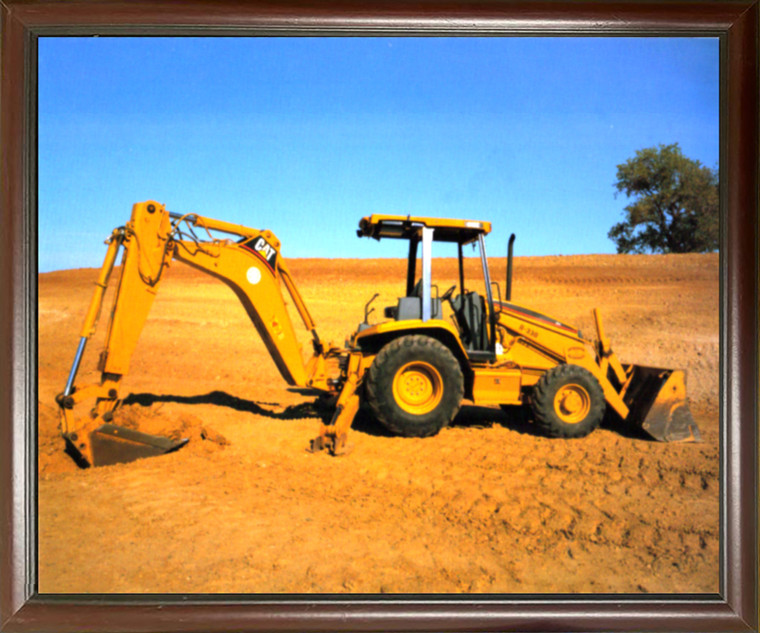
[
  {"x": 568, "y": 401},
  {"x": 415, "y": 386}
]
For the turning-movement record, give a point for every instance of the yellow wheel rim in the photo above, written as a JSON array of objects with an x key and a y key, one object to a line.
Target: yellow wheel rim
[
  {"x": 417, "y": 387},
  {"x": 572, "y": 403}
]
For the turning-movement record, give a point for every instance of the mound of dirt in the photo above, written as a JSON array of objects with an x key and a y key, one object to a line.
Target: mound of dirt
[{"x": 154, "y": 421}]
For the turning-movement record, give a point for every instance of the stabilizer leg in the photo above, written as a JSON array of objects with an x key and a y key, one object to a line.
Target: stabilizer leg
[{"x": 333, "y": 436}]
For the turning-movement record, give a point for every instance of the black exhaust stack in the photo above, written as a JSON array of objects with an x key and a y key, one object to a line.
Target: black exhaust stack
[{"x": 508, "y": 295}]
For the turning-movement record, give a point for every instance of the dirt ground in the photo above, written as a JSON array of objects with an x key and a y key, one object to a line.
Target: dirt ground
[{"x": 486, "y": 506}]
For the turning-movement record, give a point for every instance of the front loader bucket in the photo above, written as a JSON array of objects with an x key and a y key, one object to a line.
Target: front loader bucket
[
  {"x": 657, "y": 403},
  {"x": 111, "y": 444}
]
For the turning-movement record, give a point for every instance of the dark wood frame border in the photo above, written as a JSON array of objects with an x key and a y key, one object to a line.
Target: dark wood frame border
[{"x": 733, "y": 609}]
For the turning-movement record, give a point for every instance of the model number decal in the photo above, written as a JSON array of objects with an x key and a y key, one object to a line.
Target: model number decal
[{"x": 528, "y": 331}]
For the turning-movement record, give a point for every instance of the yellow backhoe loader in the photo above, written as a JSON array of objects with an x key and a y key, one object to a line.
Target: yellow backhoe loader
[{"x": 412, "y": 370}]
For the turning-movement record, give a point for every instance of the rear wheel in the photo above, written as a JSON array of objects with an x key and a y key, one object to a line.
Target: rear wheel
[
  {"x": 415, "y": 386},
  {"x": 568, "y": 402}
]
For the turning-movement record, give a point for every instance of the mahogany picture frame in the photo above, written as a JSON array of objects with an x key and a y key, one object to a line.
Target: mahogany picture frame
[{"x": 733, "y": 608}]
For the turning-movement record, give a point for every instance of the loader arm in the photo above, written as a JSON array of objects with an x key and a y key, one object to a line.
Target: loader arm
[{"x": 250, "y": 265}]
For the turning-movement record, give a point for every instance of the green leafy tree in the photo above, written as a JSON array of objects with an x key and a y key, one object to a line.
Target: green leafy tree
[{"x": 675, "y": 203}]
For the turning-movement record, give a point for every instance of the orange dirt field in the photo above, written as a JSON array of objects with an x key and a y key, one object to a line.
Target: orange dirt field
[{"x": 486, "y": 506}]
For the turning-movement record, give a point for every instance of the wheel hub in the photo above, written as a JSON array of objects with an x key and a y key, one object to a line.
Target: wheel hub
[
  {"x": 418, "y": 387},
  {"x": 572, "y": 403}
]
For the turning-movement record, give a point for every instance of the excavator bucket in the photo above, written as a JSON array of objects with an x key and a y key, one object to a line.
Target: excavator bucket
[
  {"x": 112, "y": 444},
  {"x": 657, "y": 402}
]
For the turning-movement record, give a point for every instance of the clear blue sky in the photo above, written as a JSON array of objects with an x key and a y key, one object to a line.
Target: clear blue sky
[{"x": 304, "y": 136}]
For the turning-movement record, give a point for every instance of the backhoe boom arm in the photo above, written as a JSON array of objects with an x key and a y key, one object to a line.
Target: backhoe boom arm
[{"x": 250, "y": 265}]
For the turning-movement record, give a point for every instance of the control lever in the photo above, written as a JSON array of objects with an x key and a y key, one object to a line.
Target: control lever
[{"x": 367, "y": 311}]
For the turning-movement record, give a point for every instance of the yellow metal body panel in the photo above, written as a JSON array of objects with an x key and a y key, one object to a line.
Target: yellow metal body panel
[
  {"x": 540, "y": 329},
  {"x": 398, "y": 327},
  {"x": 497, "y": 385},
  {"x": 535, "y": 343}
]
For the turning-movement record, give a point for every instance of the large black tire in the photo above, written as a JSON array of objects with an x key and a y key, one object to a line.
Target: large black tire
[
  {"x": 568, "y": 402},
  {"x": 415, "y": 386}
]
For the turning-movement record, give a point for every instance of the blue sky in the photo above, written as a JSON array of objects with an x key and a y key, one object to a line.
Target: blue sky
[{"x": 304, "y": 136}]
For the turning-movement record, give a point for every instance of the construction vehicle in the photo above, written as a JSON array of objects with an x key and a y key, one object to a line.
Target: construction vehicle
[{"x": 412, "y": 370}]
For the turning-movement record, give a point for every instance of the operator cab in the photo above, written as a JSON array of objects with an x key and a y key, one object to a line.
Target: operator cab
[{"x": 474, "y": 313}]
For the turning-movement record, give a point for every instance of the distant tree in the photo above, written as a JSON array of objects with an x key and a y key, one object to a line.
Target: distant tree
[{"x": 675, "y": 206}]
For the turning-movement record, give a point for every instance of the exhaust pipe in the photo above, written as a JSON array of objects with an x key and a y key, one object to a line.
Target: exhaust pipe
[{"x": 508, "y": 291}]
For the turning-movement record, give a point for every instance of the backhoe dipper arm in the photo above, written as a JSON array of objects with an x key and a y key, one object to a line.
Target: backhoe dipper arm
[
  {"x": 146, "y": 240},
  {"x": 251, "y": 266}
]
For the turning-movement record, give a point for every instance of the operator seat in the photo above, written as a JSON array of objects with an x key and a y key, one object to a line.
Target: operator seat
[
  {"x": 410, "y": 307},
  {"x": 469, "y": 312}
]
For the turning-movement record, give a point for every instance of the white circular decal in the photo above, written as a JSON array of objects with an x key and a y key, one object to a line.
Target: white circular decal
[{"x": 253, "y": 275}]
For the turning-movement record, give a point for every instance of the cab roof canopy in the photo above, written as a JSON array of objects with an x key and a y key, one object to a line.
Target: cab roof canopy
[{"x": 408, "y": 227}]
